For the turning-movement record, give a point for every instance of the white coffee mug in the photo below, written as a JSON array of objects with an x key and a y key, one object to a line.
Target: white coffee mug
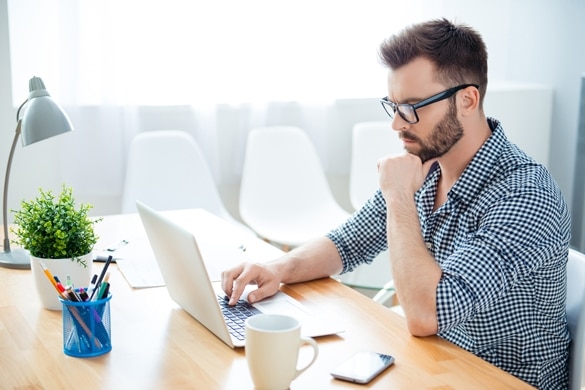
[{"x": 272, "y": 349}]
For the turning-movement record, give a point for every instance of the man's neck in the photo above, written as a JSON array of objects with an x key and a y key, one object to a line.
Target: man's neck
[{"x": 454, "y": 162}]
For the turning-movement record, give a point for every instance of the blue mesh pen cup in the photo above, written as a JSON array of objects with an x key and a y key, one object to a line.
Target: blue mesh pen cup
[{"x": 87, "y": 327}]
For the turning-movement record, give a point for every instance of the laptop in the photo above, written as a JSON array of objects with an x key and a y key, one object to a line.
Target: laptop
[{"x": 184, "y": 272}]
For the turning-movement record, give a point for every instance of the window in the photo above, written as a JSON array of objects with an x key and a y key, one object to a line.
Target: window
[{"x": 141, "y": 52}]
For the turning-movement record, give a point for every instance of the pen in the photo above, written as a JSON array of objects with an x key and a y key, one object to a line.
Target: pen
[
  {"x": 59, "y": 285},
  {"x": 105, "y": 283},
  {"x": 102, "y": 257},
  {"x": 100, "y": 291},
  {"x": 71, "y": 294},
  {"x": 99, "y": 281},
  {"x": 104, "y": 291},
  {"x": 83, "y": 295},
  {"x": 117, "y": 246},
  {"x": 60, "y": 288},
  {"x": 92, "y": 284}
]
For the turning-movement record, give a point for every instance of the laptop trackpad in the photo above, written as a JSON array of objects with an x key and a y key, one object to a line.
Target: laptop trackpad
[
  {"x": 311, "y": 326},
  {"x": 281, "y": 304}
]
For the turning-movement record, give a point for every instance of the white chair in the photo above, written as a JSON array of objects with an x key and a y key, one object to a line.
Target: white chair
[
  {"x": 370, "y": 142},
  {"x": 284, "y": 196},
  {"x": 167, "y": 170},
  {"x": 576, "y": 317}
]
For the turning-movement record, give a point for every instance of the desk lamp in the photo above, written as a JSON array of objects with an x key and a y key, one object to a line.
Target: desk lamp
[{"x": 43, "y": 118}]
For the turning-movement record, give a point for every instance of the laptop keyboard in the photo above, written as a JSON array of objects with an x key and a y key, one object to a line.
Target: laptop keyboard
[{"x": 235, "y": 316}]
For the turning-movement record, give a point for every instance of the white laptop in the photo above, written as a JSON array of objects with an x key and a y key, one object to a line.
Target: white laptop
[{"x": 188, "y": 283}]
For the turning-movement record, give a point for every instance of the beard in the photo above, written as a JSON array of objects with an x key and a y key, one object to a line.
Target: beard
[{"x": 445, "y": 134}]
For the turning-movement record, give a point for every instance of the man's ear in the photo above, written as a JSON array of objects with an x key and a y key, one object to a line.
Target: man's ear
[{"x": 468, "y": 100}]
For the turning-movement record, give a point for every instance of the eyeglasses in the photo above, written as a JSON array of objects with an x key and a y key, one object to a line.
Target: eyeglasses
[{"x": 408, "y": 111}]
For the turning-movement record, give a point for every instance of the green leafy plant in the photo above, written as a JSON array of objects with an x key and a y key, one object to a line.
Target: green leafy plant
[{"x": 52, "y": 228}]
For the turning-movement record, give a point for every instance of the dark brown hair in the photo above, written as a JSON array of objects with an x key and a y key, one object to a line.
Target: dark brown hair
[{"x": 458, "y": 52}]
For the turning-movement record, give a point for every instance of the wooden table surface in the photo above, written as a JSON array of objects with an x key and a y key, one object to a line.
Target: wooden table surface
[{"x": 156, "y": 345}]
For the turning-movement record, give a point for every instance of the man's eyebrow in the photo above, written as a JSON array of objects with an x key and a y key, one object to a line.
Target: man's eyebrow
[{"x": 410, "y": 100}]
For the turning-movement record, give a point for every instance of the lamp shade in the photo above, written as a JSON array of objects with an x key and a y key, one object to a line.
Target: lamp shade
[{"x": 43, "y": 118}]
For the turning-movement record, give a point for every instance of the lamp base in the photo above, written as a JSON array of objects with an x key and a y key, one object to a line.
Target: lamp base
[{"x": 17, "y": 259}]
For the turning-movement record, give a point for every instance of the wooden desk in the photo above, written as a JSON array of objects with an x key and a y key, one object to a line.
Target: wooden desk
[{"x": 156, "y": 345}]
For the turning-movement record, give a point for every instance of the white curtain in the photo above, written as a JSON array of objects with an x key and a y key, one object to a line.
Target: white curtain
[{"x": 213, "y": 68}]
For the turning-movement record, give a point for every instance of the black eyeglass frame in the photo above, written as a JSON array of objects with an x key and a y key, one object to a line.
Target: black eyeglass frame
[{"x": 396, "y": 107}]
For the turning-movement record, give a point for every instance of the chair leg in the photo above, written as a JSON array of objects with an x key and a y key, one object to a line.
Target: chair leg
[{"x": 386, "y": 293}]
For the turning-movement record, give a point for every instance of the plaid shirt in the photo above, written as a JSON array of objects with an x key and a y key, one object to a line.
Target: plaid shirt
[{"x": 501, "y": 240}]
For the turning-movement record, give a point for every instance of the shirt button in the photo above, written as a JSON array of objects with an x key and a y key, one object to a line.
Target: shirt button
[{"x": 429, "y": 245}]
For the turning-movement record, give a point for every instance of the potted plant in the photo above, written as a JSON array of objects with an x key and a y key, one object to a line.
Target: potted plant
[{"x": 57, "y": 233}]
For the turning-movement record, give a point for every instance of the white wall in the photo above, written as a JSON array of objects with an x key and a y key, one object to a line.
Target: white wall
[
  {"x": 6, "y": 111},
  {"x": 525, "y": 111},
  {"x": 539, "y": 41}
]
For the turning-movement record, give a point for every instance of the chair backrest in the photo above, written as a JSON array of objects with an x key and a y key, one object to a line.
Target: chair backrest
[
  {"x": 370, "y": 142},
  {"x": 167, "y": 170},
  {"x": 284, "y": 184},
  {"x": 576, "y": 316}
]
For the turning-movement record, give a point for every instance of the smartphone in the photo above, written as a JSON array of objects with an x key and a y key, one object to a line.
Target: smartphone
[{"x": 362, "y": 367}]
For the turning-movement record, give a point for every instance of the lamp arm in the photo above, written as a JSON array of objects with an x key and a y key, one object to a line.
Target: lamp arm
[{"x": 6, "y": 180}]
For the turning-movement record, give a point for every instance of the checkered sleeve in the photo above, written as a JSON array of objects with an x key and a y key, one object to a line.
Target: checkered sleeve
[{"x": 363, "y": 235}]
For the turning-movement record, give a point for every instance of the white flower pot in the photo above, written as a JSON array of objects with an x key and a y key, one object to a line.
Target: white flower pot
[{"x": 80, "y": 277}]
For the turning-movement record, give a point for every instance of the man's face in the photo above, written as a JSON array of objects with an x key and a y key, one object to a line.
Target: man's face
[
  {"x": 438, "y": 129},
  {"x": 439, "y": 141}
]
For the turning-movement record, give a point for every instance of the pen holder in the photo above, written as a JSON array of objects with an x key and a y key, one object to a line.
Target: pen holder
[{"x": 87, "y": 328}]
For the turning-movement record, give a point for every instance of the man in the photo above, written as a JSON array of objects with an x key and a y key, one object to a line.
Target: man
[{"x": 477, "y": 231}]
